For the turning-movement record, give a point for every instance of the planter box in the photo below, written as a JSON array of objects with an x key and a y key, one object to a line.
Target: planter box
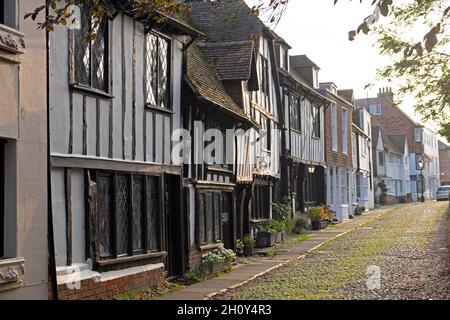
[
  {"x": 265, "y": 239},
  {"x": 317, "y": 225},
  {"x": 278, "y": 237},
  {"x": 299, "y": 230},
  {"x": 248, "y": 251},
  {"x": 211, "y": 268}
]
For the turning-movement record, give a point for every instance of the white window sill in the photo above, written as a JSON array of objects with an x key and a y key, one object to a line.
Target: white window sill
[
  {"x": 12, "y": 272},
  {"x": 12, "y": 44}
]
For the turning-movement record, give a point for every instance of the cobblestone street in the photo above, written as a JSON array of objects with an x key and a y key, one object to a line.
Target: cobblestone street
[{"x": 402, "y": 255}]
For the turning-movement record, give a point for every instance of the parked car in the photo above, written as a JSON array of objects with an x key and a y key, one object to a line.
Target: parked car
[{"x": 443, "y": 193}]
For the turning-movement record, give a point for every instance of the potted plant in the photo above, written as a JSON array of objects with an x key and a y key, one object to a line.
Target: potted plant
[
  {"x": 279, "y": 227},
  {"x": 266, "y": 235},
  {"x": 248, "y": 243},
  {"x": 217, "y": 260},
  {"x": 315, "y": 214},
  {"x": 301, "y": 224}
]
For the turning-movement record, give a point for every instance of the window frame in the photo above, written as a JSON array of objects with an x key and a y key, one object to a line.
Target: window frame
[
  {"x": 169, "y": 89},
  {"x": 345, "y": 131},
  {"x": 316, "y": 122},
  {"x": 381, "y": 158},
  {"x": 261, "y": 203},
  {"x": 265, "y": 75},
  {"x": 375, "y": 109},
  {"x": 8, "y": 13},
  {"x": 2, "y": 199},
  {"x": 295, "y": 117},
  {"x": 115, "y": 257},
  {"x": 334, "y": 127},
  {"x": 209, "y": 222},
  {"x": 106, "y": 59}
]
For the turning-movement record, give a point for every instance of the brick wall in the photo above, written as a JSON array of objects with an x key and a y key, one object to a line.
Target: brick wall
[
  {"x": 106, "y": 290},
  {"x": 338, "y": 158},
  {"x": 444, "y": 161},
  {"x": 393, "y": 120}
]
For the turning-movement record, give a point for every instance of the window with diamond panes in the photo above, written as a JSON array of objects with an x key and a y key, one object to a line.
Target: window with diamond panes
[
  {"x": 157, "y": 73},
  {"x": 128, "y": 214},
  {"x": 105, "y": 206},
  {"x": 91, "y": 55}
]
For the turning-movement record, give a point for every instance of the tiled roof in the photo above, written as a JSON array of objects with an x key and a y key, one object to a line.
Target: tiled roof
[
  {"x": 232, "y": 60},
  {"x": 226, "y": 21},
  {"x": 399, "y": 140},
  {"x": 347, "y": 94},
  {"x": 206, "y": 82},
  {"x": 302, "y": 61}
]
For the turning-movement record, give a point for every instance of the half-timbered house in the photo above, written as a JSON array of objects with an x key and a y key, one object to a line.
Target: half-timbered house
[
  {"x": 304, "y": 155},
  {"x": 241, "y": 48},
  {"x": 116, "y": 192}
]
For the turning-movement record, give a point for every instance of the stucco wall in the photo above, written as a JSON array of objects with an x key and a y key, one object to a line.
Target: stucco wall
[{"x": 23, "y": 108}]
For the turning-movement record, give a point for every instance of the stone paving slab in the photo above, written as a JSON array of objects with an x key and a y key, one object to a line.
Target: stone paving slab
[{"x": 242, "y": 274}]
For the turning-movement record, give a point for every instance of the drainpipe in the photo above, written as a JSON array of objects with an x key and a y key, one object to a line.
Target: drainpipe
[{"x": 50, "y": 234}]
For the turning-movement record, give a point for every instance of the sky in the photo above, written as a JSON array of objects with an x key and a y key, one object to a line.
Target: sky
[{"x": 320, "y": 30}]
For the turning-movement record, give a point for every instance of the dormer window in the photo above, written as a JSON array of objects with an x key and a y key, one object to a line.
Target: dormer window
[{"x": 284, "y": 58}]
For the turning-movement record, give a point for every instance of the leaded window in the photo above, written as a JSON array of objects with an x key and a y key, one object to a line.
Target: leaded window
[
  {"x": 157, "y": 70},
  {"x": 296, "y": 113},
  {"x": 128, "y": 214},
  {"x": 264, "y": 82},
  {"x": 315, "y": 121},
  {"x": 91, "y": 55},
  {"x": 261, "y": 203},
  {"x": 209, "y": 217}
]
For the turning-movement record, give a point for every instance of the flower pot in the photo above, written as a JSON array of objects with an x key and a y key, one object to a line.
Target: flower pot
[
  {"x": 248, "y": 251},
  {"x": 265, "y": 239},
  {"x": 278, "y": 237},
  {"x": 299, "y": 230},
  {"x": 284, "y": 236},
  {"x": 315, "y": 225}
]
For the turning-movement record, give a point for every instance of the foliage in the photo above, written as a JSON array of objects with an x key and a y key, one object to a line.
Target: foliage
[
  {"x": 283, "y": 213},
  {"x": 269, "y": 226},
  {"x": 321, "y": 213},
  {"x": 61, "y": 12},
  {"x": 383, "y": 192},
  {"x": 316, "y": 213},
  {"x": 219, "y": 256},
  {"x": 248, "y": 241},
  {"x": 301, "y": 222},
  {"x": 239, "y": 247},
  {"x": 150, "y": 293}
]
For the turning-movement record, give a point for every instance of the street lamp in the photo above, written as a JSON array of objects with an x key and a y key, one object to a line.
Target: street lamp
[
  {"x": 311, "y": 169},
  {"x": 421, "y": 165}
]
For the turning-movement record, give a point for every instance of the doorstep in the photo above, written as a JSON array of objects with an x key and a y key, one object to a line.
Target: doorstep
[{"x": 243, "y": 274}]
